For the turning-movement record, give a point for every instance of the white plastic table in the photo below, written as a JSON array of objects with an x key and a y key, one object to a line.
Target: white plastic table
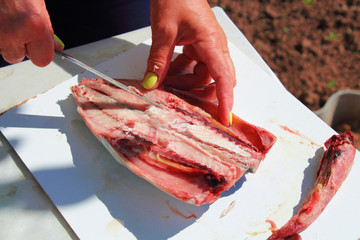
[{"x": 27, "y": 211}]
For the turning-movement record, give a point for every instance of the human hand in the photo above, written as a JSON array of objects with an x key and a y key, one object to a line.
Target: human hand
[
  {"x": 25, "y": 30},
  {"x": 190, "y": 23}
]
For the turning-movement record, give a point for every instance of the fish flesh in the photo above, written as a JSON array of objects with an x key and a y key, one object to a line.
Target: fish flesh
[
  {"x": 334, "y": 167},
  {"x": 181, "y": 149}
]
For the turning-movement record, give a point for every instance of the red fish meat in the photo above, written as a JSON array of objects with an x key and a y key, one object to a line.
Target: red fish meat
[
  {"x": 334, "y": 167},
  {"x": 181, "y": 149}
]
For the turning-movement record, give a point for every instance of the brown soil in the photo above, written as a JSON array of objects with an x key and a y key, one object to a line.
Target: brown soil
[{"x": 312, "y": 46}]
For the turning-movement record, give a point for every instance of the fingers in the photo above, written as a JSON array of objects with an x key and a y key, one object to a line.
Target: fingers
[
  {"x": 26, "y": 31},
  {"x": 41, "y": 51},
  {"x": 14, "y": 55},
  {"x": 216, "y": 61},
  {"x": 222, "y": 70},
  {"x": 225, "y": 83},
  {"x": 161, "y": 51},
  {"x": 180, "y": 64},
  {"x": 225, "y": 95},
  {"x": 199, "y": 78},
  {"x": 183, "y": 23},
  {"x": 208, "y": 93}
]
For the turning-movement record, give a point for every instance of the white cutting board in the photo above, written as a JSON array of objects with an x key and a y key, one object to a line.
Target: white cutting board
[{"x": 101, "y": 199}]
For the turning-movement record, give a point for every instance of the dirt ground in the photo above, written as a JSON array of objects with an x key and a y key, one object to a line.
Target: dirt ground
[{"x": 312, "y": 46}]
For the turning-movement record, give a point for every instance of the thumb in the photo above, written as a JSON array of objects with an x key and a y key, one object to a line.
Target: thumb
[{"x": 158, "y": 63}]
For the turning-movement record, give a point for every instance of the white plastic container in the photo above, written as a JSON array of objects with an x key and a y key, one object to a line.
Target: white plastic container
[{"x": 342, "y": 107}]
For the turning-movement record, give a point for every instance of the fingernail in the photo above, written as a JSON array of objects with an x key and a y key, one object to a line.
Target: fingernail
[
  {"x": 58, "y": 40},
  {"x": 230, "y": 119},
  {"x": 149, "y": 80}
]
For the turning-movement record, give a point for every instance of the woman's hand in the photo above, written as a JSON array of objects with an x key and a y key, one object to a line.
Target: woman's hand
[
  {"x": 190, "y": 23},
  {"x": 25, "y": 30}
]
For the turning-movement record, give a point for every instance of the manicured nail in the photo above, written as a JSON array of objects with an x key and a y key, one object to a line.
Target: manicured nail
[
  {"x": 58, "y": 40},
  {"x": 149, "y": 80},
  {"x": 230, "y": 119}
]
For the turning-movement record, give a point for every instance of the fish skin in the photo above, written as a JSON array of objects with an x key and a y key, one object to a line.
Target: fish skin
[
  {"x": 334, "y": 167},
  {"x": 164, "y": 146}
]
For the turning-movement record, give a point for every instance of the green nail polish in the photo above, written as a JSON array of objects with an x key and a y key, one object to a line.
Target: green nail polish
[
  {"x": 149, "y": 80},
  {"x": 58, "y": 40}
]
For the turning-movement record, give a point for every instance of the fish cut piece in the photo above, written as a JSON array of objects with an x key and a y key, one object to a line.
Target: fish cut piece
[
  {"x": 181, "y": 149},
  {"x": 334, "y": 167}
]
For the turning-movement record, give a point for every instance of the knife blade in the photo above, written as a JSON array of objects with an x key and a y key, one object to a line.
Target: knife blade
[{"x": 105, "y": 77}]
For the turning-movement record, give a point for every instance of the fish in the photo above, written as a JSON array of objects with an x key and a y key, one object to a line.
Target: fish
[
  {"x": 334, "y": 167},
  {"x": 181, "y": 148}
]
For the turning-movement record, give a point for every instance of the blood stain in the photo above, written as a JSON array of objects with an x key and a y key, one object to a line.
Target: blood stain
[
  {"x": 273, "y": 226},
  {"x": 177, "y": 212},
  {"x": 228, "y": 209},
  {"x": 297, "y": 133}
]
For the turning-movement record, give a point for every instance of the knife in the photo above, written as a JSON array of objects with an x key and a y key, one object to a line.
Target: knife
[{"x": 105, "y": 77}]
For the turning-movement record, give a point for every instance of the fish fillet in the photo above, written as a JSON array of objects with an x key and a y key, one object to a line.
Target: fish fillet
[
  {"x": 181, "y": 149},
  {"x": 334, "y": 167}
]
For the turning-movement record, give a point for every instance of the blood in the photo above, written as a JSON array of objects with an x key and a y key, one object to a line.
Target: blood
[
  {"x": 297, "y": 133},
  {"x": 177, "y": 212},
  {"x": 228, "y": 209},
  {"x": 273, "y": 226},
  {"x": 289, "y": 130}
]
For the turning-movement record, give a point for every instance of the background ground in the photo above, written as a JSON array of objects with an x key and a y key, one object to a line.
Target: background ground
[{"x": 312, "y": 46}]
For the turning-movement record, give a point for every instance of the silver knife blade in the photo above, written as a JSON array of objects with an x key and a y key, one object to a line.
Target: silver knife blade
[{"x": 105, "y": 77}]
